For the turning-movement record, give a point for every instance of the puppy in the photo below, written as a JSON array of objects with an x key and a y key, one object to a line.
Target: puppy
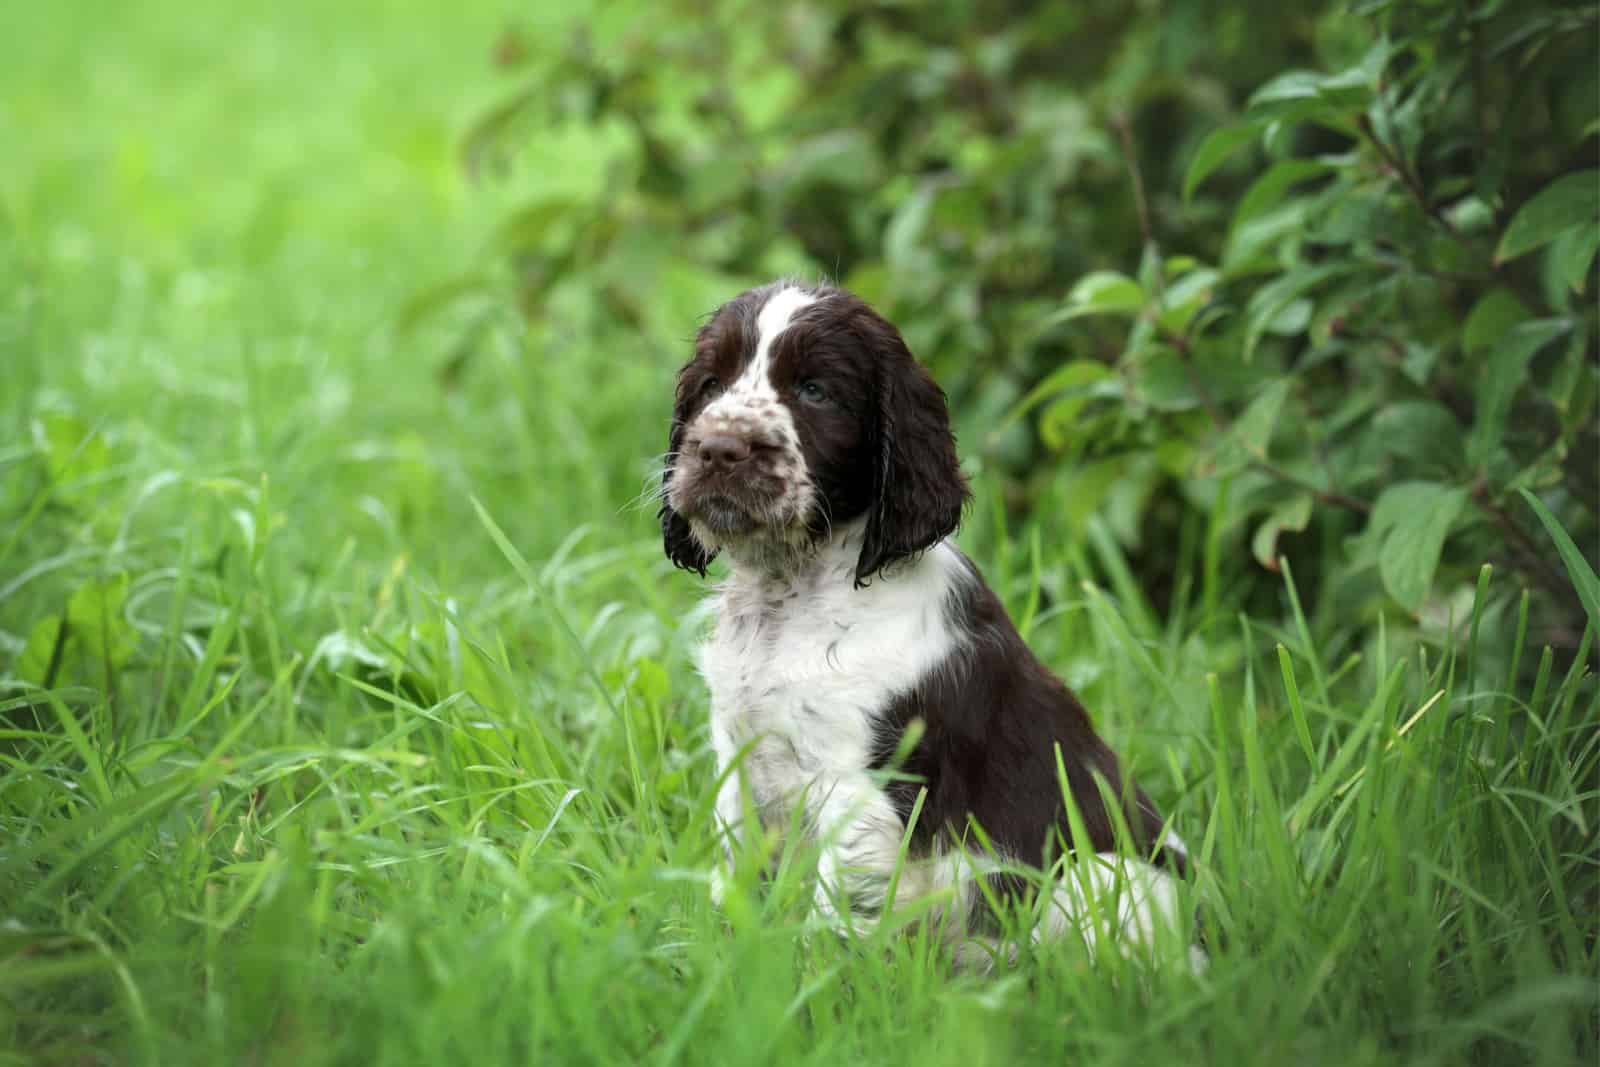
[{"x": 811, "y": 450}]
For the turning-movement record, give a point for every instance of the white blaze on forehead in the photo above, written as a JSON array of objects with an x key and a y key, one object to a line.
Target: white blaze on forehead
[
  {"x": 751, "y": 408},
  {"x": 774, "y": 318}
]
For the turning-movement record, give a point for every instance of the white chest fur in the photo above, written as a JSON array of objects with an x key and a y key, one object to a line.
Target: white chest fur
[{"x": 801, "y": 670}]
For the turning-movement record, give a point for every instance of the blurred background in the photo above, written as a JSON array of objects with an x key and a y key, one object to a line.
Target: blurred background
[{"x": 1211, "y": 280}]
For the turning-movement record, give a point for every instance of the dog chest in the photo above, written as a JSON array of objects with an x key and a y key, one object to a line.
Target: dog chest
[
  {"x": 800, "y": 698},
  {"x": 799, "y": 680}
]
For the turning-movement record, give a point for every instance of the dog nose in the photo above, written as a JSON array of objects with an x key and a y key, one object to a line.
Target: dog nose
[{"x": 724, "y": 449}]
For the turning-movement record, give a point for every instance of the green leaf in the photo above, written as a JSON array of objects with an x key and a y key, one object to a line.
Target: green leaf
[
  {"x": 1567, "y": 202},
  {"x": 1353, "y": 217},
  {"x": 1419, "y": 360},
  {"x": 1292, "y": 319},
  {"x": 1266, "y": 191},
  {"x": 1214, "y": 151},
  {"x": 1184, "y": 297},
  {"x": 1571, "y": 254},
  {"x": 1107, "y": 291},
  {"x": 1101, "y": 292},
  {"x": 95, "y": 613},
  {"x": 1257, "y": 246},
  {"x": 902, "y": 237},
  {"x": 1578, "y": 569},
  {"x": 34, "y": 665},
  {"x": 1163, "y": 381},
  {"x": 96, "y": 643},
  {"x": 1305, "y": 94},
  {"x": 844, "y": 158},
  {"x": 1248, "y": 437},
  {"x": 1271, "y": 299},
  {"x": 1507, "y": 364},
  {"x": 1151, "y": 267},
  {"x": 1348, "y": 90},
  {"x": 1470, "y": 215},
  {"x": 1076, "y": 381},
  {"x": 1575, "y": 387},
  {"x": 1291, "y": 514},
  {"x": 1331, "y": 100},
  {"x": 1288, "y": 86},
  {"x": 1412, "y": 520},
  {"x": 1495, "y": 313},
  {"x": 73, "y": 450},
  {"x": 1422, "y": 432},
  {"x": 1064, "y": 425}
]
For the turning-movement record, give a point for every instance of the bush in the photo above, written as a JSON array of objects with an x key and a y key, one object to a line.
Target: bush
[{"x": 1341, "y": 324}]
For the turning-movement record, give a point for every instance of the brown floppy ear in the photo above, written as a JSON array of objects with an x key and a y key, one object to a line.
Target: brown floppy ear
[
  {"x": 676, "y": 538},
  {"x": 918, "y": 489}
]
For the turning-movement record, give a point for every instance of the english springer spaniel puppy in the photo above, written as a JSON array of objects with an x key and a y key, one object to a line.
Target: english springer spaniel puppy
[{"x": 811, "y": 450}]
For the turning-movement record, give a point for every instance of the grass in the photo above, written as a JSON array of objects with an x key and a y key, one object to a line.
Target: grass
[{"x": 348, "y": 711}]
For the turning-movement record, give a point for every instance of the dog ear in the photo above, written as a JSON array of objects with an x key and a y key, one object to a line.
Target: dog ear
[
  {"x": 918, "y": 489},
  {"x": 677, "y": 539}
]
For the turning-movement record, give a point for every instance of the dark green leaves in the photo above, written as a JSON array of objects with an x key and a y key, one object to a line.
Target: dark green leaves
[
  {"x": 1369, "y": 274},
  {"x": 1390, "y": 221}
]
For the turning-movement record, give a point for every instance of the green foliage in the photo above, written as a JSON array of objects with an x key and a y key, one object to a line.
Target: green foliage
[
  {"x": 1405, "y": 222},
  {"x": 1387, "y": 290}
]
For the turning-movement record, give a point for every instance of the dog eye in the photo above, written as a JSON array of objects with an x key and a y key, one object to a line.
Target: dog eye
[
  {"x": 711, "y": 386},
  {"x": 811, "y": 392}
]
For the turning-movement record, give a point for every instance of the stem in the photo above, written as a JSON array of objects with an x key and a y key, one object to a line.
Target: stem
[
  {"x": 1325, "y": 496},
  {"x": 1140, "y": 203},
  {"x": 1413, "y": 183}
]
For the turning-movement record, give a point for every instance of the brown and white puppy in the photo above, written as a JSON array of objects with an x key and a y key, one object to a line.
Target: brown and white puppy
[{"x": 810, "y": 449}]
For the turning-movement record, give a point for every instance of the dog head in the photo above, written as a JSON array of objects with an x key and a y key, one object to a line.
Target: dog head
[{"x": 803, "y": 409}]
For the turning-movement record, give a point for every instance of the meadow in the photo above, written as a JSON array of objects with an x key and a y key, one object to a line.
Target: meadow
[{"x": 347, "y": 708}]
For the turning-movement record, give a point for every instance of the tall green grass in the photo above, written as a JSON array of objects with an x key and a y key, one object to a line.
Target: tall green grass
[{"x": 349, "y": 714}]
